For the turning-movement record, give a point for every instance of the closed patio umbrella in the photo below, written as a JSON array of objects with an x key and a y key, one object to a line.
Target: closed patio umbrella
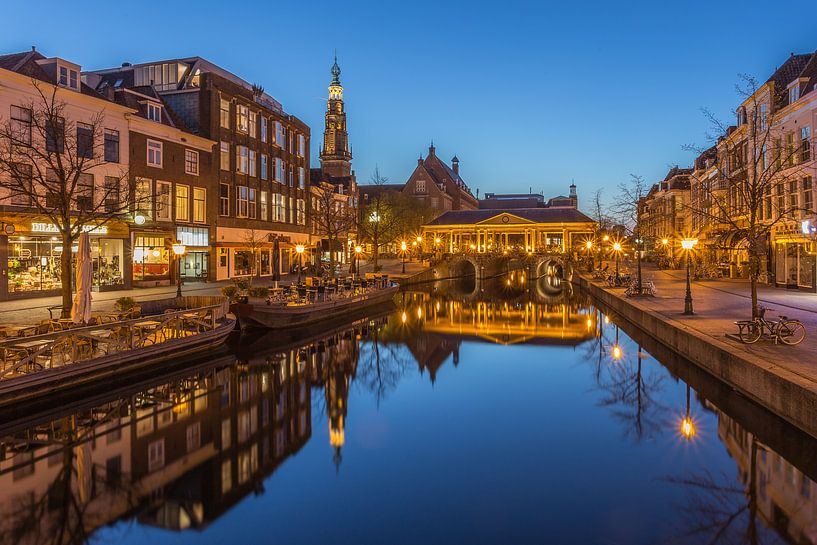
[
  {"x": 276, "y": 262},
  {"x": 81, "y": 311}
]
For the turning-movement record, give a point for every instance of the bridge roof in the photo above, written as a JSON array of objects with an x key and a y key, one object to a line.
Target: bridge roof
[{"x": 532, "y": 215}]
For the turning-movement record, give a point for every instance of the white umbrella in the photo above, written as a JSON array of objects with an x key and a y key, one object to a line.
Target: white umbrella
[{"x": 81, "y": 311}]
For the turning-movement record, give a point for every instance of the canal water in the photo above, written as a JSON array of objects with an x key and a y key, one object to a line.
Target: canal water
[{"x": 508, "y": 414}]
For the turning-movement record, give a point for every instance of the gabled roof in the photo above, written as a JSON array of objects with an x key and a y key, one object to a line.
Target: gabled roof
[
  {"x": 535, "y": 215},
  {"x": 25, "y": 63}
]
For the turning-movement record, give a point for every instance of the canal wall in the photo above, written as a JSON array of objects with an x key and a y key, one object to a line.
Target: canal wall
[{"x": 783, "y": 392}]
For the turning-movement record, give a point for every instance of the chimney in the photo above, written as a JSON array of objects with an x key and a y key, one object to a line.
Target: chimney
[
  {"x": 125, "y": 64},
  {"x": 420, "y": 161},
  {"x": 455, "y": 165},
  {"x": 431, "y": 149}
]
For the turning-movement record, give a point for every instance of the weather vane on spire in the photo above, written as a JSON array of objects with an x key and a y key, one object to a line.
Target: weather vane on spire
[{"x": 336, "y": 71}]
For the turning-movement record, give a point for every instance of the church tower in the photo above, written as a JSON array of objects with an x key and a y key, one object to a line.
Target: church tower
[{"x": 336, "y": 159}]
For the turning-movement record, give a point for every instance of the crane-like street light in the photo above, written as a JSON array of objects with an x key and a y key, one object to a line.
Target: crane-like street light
[
  {"x": 688, "y": 244},
  {"x": 299, "y": 249},
  {"x": 178, "y": 251},
  {"x": 617, "y": 250}
]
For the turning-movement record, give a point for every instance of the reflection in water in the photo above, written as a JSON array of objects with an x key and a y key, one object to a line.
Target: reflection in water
[{"x": 178, "y": 454}]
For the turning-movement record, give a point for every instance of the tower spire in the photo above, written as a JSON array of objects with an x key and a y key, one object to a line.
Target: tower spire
[{"x": 335, "y": 71}]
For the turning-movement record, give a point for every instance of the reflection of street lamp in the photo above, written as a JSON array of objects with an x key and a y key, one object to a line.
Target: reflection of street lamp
[
  {"x": 178, "y": 250},
  {"x": 687, "y": 424},
  {"x": 403, "y": 249},
  {"x": 617, "y": 250},
  {"x": 358, "y": 250},
  {"x": 299, "y": 249},
  {"x": 616, "y": 347},
  {"x": 688, "y": 244}
]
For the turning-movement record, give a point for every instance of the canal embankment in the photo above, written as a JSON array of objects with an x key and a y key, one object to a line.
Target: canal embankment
[{"x": 781, "y": 378}]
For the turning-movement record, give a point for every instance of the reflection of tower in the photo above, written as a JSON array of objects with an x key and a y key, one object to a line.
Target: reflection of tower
[
  {"x": 336, "y": 158},
  {"x": 339, "y": 371}
]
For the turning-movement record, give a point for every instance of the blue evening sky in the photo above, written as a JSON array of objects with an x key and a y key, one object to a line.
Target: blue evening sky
[{"x": 527, "y": 94}]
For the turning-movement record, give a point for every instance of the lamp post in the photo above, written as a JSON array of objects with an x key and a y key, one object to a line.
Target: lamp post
[
  {"x": 178, "y": 251},
  {"x": 688, "y": 244},
  {"x": 299, "y": 249},
  {"x": 589, "y": 246},
  {"x": 403, "y": 249},
  {"x": 617, "y": 250},
  {"x": 358, "y": 250}
]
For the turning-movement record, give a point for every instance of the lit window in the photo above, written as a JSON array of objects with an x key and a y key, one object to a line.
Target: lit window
[
  {"x": 252, "y": 163},
  {"x": 191, "y": 162},
  {"x": 242, "y": 201},
  {"x": 264, "y": 215},
  {"x": 253, "y": 125},
  {"x": 199, "y": 204},
  {"x": 182, "y": 202},
  {"x": 301, "y": 178},
  {"x": 242, "y": 122},
  {"x": 252, "y": 208},
  {"x": 154, "y": 153}
]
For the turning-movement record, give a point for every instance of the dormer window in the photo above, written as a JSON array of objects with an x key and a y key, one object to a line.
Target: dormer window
[
  {"x": 68, "y": 78},
  {"x": 154, "y": 112},
  {"x": 794, "y": 93}
]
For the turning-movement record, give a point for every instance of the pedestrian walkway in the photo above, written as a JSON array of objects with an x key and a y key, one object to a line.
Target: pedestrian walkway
[
  {"x": 719, "y": 303},
  {"x": 32, "y": 311}
]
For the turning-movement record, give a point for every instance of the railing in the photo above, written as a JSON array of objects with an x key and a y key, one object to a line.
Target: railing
[{"x": 24, "y": 355}]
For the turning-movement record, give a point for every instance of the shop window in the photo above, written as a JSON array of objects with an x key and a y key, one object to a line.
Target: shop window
[
  {"x": 151, "y": 260},
  {"x": 242, "y": 261}
]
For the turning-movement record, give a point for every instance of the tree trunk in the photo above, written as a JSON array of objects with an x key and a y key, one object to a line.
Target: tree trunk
[
  {"x": 638, "y": 266},
  {"x": 66, "y": 274},
  {"x": 331, "y": 256},
  {"x": 375, "y": 252}
]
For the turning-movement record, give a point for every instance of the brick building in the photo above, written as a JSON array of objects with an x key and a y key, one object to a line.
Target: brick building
[{"x": 439, "y": 186}]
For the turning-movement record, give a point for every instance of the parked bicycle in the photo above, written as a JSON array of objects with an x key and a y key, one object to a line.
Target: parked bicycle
[{"x": 785, "y": 330}]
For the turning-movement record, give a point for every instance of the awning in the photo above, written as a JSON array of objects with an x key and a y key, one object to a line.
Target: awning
[{"x": 731, "y": 240}]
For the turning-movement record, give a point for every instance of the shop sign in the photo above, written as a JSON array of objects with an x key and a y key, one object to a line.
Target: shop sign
[
  {"x": 51, "y": 228},
  {"x": 807, "y": 228}
]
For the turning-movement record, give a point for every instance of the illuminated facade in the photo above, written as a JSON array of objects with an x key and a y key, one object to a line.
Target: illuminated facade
[{"x": 517, "y": 230}]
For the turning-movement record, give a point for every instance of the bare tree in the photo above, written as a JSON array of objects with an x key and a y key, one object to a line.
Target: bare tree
[
  {"x": 255, "y": 241},
  {"x": 47, "y": 166},
  {"x": 333, "y": 217},
  {"x": 380, "y": 221},
  {"x": 627, "y": 207},
  {"x": 755, "y": 178},
  {"x": 598, "y": 211}
]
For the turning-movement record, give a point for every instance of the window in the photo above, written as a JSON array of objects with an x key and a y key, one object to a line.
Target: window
[
  {"x": 163, "y": 206},
  {"x": 193, "y": 436},
  {"x": 112, "y": 196},
  {"x": 224, "y": 157},
  {"x": 793, "y": 197},
  {"x": 301, "y": 145},
  {"x": 420, "y": 186},
  {"x": 808, "y": 199},
  {"x": 278, "y": 212},
  {"x": 242, "y": 118},
  {"x": 22, "y": 187},
  {"x": 805, "y": 143},
  {"x": 224, "y": 199},
  {"x": 241, "y": 201},
  {"x": 182, "y": 202},
  {"x": 241, "y": 159},
  {"x": 291, "y": 210},
  {"x": 111, "y": 146},
  {"x": 85, "y": 192},
  {"x": 301, "y": 216},
  {"x": 143, "y": 198},
  {"x": 280, "y": 135},
  {"x": 21, "y": 125},
  {"x": 252, "y": 203},
  {"x": 279, "y": 170},
  {"x": 63, "y": 76},
  {"x": 154, "y": 153},
  {"x": 199, "y": 204},
  {"x": 73, "y": 78},
  {"x": 794, "y": 93},
  {"x": 264, "y": 166},
  {"x": 156, "y": 455},
  {"x": 55, "y": 134},
  {"x": 191, "y": 162},
  {"x": 162, "y": 77},
  {"x": 85, "y": 141},
  {"x": 224, "y": 113},
  {"x": 252, "y": 163},
  {"x": 763, "y": 118},
  {"x": 253, "y": 125},
  {"x": 301, "y": 178},
  {"x": 291, "y": 178},
  {"x": 154, "y": 112},
  {"x": 263, "y": 129},
  {"x": 264, "y": 215},
  {"x": 226, "y": 476}
]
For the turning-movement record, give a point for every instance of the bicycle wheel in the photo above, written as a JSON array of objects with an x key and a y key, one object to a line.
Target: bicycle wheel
[
  {"x": 791, "y": 332},
  {"x": 750, "y": 333}
]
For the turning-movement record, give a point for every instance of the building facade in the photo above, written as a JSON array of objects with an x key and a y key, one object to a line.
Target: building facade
[{"x": 439, "y": 186}]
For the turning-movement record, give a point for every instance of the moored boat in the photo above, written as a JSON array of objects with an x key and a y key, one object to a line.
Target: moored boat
[{"x": 289, "y": 314}]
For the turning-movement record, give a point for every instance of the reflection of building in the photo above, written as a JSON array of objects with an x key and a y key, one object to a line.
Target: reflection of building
[{"x": 786, "y": 499}]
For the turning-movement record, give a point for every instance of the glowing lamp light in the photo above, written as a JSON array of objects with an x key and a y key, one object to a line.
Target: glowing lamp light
[
  {"x": 617, "y": 246},
  {"x": 300, "y": 248},
  {"x": 589, "y": 323},
  {"x": 687, "y": 428},
  {"x": 606, "y": 238},
  {"x": 358, "y": 249},
  {"x": 404, "y": 317},
  {"x": 44, "y": 261},
  {"x": 616, "y": 352},
  {"x": 403, "y": 246},
  {"x": 139, "y": 219},
  {"x": 419, "y": 313},
  {"x": 436, "y": 241},
  {"x": 179, "y": 249},
  {"x": 414, "y": 243},
  {"x": 473, "y": 247},
  {"x": 588, "y": 244},
  {"x": 664, "y": 241},
  {"x": 419, "y": 240},
  {"x": 689, "y": 243}
]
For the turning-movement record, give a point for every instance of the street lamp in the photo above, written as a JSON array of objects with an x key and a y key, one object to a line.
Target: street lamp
[
  {"x": 688, "y": 244},
  {"x": 178, "y": 250},
  {"x": 403, "y": 249},
  {"x": 299, "y": 249},
  {"x": 617, "y": 250},
  {"x": 589, "y": 247},
  {"x": 358, "y": 250}
]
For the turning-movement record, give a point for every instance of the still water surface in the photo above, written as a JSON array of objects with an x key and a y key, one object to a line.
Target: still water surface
[{"x": 518, "y": 417}]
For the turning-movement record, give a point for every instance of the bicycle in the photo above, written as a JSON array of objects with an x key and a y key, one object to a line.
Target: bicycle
[{"x": 790, "y": 332}]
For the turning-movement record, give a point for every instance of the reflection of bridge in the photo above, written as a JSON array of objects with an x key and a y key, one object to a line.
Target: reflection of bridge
[{"x": 505, "y": 322}]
